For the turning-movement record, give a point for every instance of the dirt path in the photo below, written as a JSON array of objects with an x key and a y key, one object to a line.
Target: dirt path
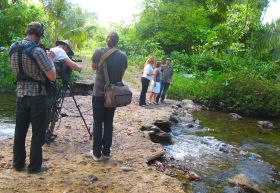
[{"x": 70, "y": 170}]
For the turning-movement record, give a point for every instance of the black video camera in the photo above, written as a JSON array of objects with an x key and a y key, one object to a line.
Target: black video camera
[{"x": 63, "y": 71}]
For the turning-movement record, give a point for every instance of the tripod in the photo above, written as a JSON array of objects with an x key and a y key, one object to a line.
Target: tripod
[{"x": 55, "y": 111}]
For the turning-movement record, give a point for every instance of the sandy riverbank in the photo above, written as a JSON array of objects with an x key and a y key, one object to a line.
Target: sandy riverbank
[{"x": 69, "y": 170}]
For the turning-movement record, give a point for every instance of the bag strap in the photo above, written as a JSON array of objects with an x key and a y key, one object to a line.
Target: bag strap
[{"x": 105, "y": 67}]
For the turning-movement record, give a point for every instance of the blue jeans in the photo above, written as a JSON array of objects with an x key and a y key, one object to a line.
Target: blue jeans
[
  {"x": 30, "y": 109},
  {"x": 102, "y": 137},
  {"x": 163, "y": 90}
]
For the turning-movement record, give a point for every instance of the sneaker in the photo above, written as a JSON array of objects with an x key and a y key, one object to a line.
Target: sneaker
[
  {"x": 19, "y": 168},
  {"x": 94, "y": 157},
  {"x": 42, "y": 169},
  {"x": 106, "y": 157}
]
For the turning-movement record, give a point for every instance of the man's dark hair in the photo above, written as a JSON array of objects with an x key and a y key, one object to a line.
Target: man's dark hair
[
  {"x": 35, "y": 28},
  {"x": 112, "y": 39}
]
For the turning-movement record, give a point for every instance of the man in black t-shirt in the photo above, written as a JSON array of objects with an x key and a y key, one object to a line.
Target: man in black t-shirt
[{"x": 117, "y": 64}]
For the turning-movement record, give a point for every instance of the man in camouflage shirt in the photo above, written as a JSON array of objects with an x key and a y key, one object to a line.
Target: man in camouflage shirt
[{"x": 32, "y": 69}]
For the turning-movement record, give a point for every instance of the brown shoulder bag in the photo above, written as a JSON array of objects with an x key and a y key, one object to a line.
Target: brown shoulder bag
[{"x": 116, "y": 95}]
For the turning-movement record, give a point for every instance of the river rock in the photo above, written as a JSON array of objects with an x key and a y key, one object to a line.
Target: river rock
[
  {"x": 91, "y": 178},
  {"x": 127, "y": 169},
  {"x": 179, "y": 105},
  {"x": 235, "y": 116},
  {"x": 245, "y": 183},
  {"x": 192, "y": 176},
  {"x": 150, "y": 128},
  {"x": 187, "y": 118},
  {"x": 161, "y": 137},
  {"x": 174, "y": 119},
  {"x": 266, "y": 124},
  {"x": 164, "y": 125},
  {"x": 205, "y": 108},
  {"x": 189, "y": 104}
]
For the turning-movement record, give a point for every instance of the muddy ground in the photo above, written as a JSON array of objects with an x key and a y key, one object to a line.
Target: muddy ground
[{"x": 70, "y": 170}]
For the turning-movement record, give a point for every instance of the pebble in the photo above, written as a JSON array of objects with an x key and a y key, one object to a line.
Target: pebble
[
  {"x": 126, "y": 169},
  {"x": 192, "y": 176},
  {"x": 91, "y": 178},
  {"x": 171, "y": 173}
]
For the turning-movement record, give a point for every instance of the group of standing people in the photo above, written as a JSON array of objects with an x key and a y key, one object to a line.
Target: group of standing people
[
  {"x": 34, "y": 69},
  {"x": 156, "y": 79}
]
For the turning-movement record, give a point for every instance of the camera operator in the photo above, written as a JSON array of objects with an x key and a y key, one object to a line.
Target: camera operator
[
  {"x": 61, "y": 52},
  {"x": 33, "y": 70}
]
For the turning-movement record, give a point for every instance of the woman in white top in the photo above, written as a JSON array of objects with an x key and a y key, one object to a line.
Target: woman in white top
[{"x": 146, "y": 78}]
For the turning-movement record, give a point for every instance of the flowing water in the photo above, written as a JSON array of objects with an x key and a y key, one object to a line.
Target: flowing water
[
  {"x": 7, "y": 115},
  {"x": 212, "y": 149}
]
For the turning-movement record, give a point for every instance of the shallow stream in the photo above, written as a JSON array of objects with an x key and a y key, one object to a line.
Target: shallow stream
[{"x": 212, "y": 149}]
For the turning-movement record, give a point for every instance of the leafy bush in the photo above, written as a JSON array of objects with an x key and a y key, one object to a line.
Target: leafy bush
[
  {"x": 243, "y": 93},
  {"x": 6, "y": 76}
]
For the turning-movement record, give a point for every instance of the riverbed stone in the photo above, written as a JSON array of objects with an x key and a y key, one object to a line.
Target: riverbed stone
[
  {"x": 235, "y": 116},
  {"x": 91, "y": 178},
  {"x": 192, "y": 176},
  {"x": 245, "y": 183},
  {"x": 161, "y": 137},
  {"x": 127, "y": 169},
  {"x": 188, "y": 104},
  {"x": 266, "y": 124},
  {"x": 174, "y": 119},
  {"x": 153, "y": 128},
  {"x": 164, "y": 125}
]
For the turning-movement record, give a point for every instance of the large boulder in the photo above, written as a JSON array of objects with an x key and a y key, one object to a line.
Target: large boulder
[
  {"x": 245, "y": 183},
  {"x": 82, "y": 87},
  {"x": 164, "y": 125}
]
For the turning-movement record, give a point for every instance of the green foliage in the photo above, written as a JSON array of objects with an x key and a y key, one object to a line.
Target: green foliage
[
  {"x": 175, "y": 25},
  {"x": 68, "y": 21},
  {"x": 6, "y": 76},
  {"x": 14, "y": 19},
  {"x": 244, "y": 94}
]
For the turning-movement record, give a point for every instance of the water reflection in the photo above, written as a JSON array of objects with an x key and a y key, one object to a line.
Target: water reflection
[{"x": 7, "y": 115}]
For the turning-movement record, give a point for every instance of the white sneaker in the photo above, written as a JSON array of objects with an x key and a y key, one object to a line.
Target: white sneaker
[
  {"x": 106, "y": 157},
  {"x": 94, "y": 157}
]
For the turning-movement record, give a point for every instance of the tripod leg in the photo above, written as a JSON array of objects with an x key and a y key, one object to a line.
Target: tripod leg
[
  {"x": 81, "y": 115},
  {"x": 55, "y": 113}
]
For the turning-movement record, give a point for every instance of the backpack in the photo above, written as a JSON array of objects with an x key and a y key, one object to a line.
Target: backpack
[{"x": 21, "y": 49}]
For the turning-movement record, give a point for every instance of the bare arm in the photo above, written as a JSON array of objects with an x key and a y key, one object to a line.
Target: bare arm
[
  {"x": 51, "y": 74},
  {"x": 155, "y": 76},
  {"x": 93, "y": 66},
  {"x": 73, "y": 65}
]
